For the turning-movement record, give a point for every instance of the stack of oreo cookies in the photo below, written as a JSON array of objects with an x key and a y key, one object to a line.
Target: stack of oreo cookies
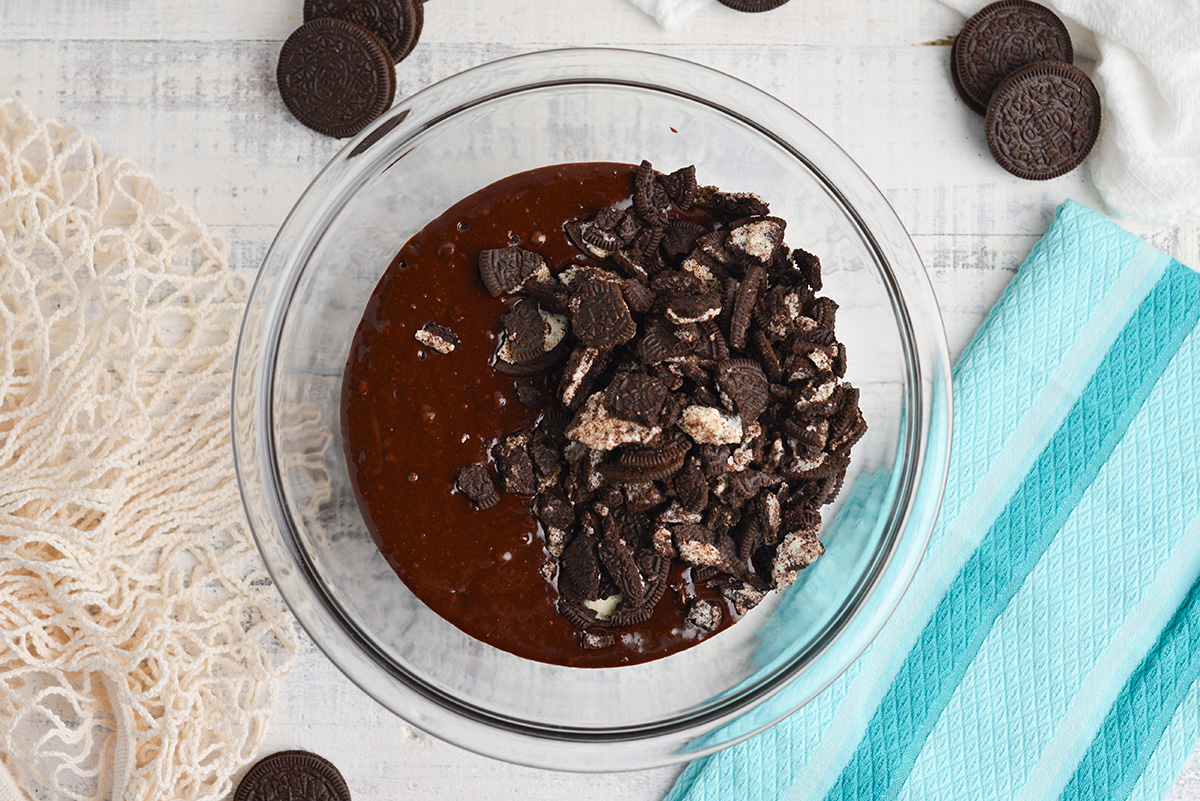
[
  {"x": 1012, "y": 62},
  {"x": 753, "y": 6},
  {"x": 337, "y": 71}
]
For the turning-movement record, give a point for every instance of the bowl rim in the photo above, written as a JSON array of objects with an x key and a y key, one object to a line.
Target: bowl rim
[{"x": 559, "y": 747}]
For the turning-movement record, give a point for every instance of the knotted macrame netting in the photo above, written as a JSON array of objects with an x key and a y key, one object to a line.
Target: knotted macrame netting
[{"x": 141, "y": 637}]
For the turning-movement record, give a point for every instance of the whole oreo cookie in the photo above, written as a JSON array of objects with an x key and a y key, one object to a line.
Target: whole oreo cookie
[
  {"x": 752, "y": 6},
  {"x": 293, "y": 776},
  {"x": 971, "y": 103},
  {"x": 396, "y": 22},
  {"x": 1000, "y": 39},
  {"x": 419, "y": 6},
  {"x": 1043, "y": 120},
  {"x": 335, "y": 76}
]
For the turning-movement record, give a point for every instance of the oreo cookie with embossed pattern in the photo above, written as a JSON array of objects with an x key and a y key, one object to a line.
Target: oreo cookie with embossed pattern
[
  {"x": 476, "y": 483},
  {"x": 420, "y": 27},
  {"x": 335, "y": 77},
  {"x": 601, "y": 318},
  {"x": 396, "y": 22},
  {"x": 1000, "y": 39},
  {"x": 293, "y": 776},
  {"x": 971, "y": 103},
  {"x": 1043, "y": 120}
]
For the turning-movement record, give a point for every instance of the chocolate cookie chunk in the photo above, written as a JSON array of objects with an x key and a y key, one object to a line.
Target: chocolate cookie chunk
[
  {"x": 515, "y": 465},
  {"x": 732, "y": 204},
  {"x": 335, "y": 77},
  {"x": 743, "y": 304},
  {"x": 705, "y": 614},
  {"x": 680, "y": 237},
  {"x": 438, "y": 337},
  {"x": 636, "y": 397},
  {"x": 505, "y": 270},
  {"x": 292, "y": 776},
  {"x": 681, "y": 186},
  {"x": 476, "y": 483},
  {"x": 618, "y": 559},
  {"x": 1043, "y": 120},
  {"x": 395, "y": 22},
  {"x": 581, "y": 567},
  {"x": 601, "y": 318},
  {"x": 1000, "y": 39},
  {"x": 524, "y": 332},
  {"x": 745, "y": 383},
  {"x": 809, "y": 267},
  {"x": 752, "y": 6},
  {"x": 650, "y": 199},
  {"x": 691, "y": 487}
]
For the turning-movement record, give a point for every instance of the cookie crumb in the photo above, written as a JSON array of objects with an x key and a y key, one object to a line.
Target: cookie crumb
[
  {"x": 437, "y": 337},
  {"x": 708, "y": 425}
]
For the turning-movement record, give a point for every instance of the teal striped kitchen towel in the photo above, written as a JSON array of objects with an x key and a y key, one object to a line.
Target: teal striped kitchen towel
[{"x": 1049, "y": 647}]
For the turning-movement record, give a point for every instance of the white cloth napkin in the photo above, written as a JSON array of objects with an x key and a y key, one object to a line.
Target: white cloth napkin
[
  {"x": 668, "y": 12},
  {"x": 1146, "y": 163}
]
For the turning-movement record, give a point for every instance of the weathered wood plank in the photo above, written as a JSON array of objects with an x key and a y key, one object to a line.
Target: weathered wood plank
[
  {"x": 382, "y": 758},
  {"x": 206, "y": 119},
  {"x": 486, "y": 22}
]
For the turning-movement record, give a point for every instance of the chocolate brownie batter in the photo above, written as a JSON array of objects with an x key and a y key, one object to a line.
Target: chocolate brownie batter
[{"x": 418, "y": 408}]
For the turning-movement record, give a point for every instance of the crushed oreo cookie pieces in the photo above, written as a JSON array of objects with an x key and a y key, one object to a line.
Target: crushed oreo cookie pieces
[
  {"x": 595, "y": 640},
  {"x": 600, "y": 317},
  {"x": 476, "y": 483},
  {"x": 743, "y": 305},
  {"x": 745, "y": 383},
  {"x": 505, "y": 270},
  {"x": 757, "y": 238},
  {"x": 530, "y": 393},
  {"x": 534, "y": 367},
  {"x": 437, "y": 337},
  {"x": 524, "y": 333},
  {"x": 681, "y": 186},
  {"x": 704, "y": 614},
  {"x": 514, "y": 464},
  {"x": 584, "y": 366},
  {"x": 581, "y": 568},
  {"x": 636, "y": 397},
  {"x": 617, "y": 556},
  {"x": 700, "y": 416},
  {"x": 650, "y": 199},
  {"x": 809, "y": 267},
  {"x": 679, "y": 238},
  {"x": 642, "y": 465},
  {"x": 732, "y": 204}
]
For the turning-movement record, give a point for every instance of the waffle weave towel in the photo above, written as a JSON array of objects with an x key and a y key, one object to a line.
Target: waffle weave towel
[{"x": 1049, "y": 646}]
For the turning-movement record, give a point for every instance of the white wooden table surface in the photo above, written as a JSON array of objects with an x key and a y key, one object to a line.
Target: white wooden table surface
[{"x": 187, "y": 90}]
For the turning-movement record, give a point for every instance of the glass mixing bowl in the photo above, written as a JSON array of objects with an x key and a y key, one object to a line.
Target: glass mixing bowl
[{"x": 441, "y": 145}]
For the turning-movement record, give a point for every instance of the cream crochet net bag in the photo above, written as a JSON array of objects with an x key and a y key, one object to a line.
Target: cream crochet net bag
[{"x": 140, "y": 637}]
